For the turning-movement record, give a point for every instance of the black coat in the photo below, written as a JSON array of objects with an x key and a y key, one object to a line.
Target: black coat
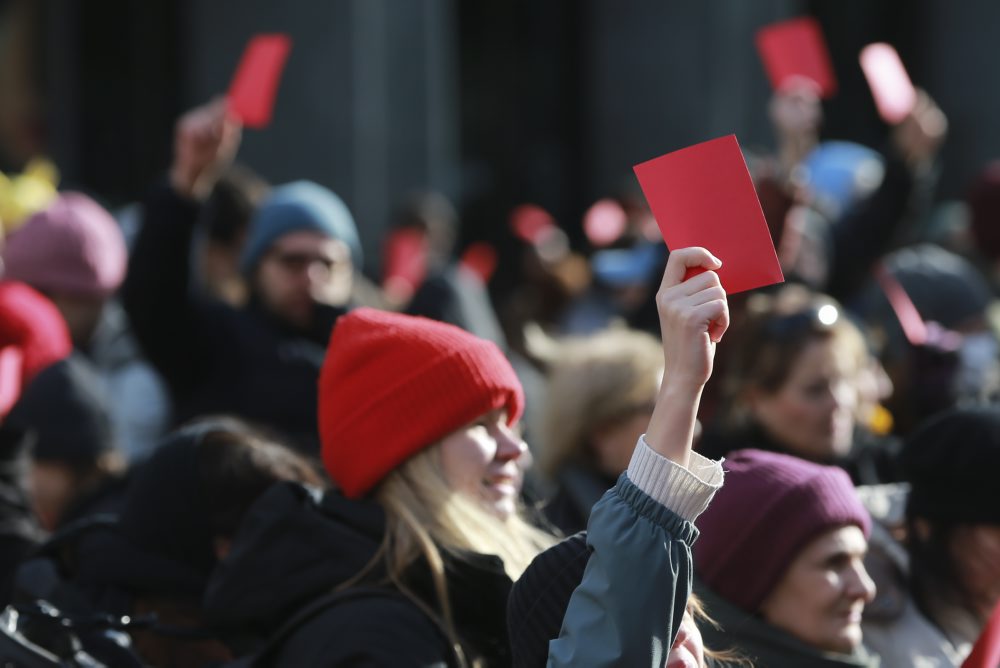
[
  {"x": 294, "y": 548},
  {"x": 214, "y": 358},
  {"x": 19, "y": 530}
]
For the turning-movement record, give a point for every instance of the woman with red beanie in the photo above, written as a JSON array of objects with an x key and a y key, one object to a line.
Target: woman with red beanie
[
  {"x": 780, "y": 563},
  {"x": 411, "y": 562}
]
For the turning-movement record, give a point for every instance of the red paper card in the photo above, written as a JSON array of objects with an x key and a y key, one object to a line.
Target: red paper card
[
  {"x": 255, "y": 85},
  {"x": 986, "y": 652},
  {"x": 891, "y": 87},
  {"x": 703, "y": 196},
  {"x": 794, "y": 50}
]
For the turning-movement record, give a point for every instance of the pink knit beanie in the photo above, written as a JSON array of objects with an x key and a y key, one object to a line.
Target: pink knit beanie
[{"x": 72, "y": 247}]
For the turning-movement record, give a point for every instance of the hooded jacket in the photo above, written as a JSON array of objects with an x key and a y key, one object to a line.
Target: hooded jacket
[{"x": 295, "y": 547}]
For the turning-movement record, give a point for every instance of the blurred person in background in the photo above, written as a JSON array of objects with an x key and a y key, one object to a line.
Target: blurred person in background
[
  {"x": 793, "y": 385},
  {"x": 937, "y": 589},
  {"x": 225, "y": 219},
  {"x": 600, "y": 395},
  {"x": 73, "y": 252},
  {"x": 441, "y": 289},
  {"x": 33, "y": 335},
  {"x": 182, "y": 509},
  {"x": 261, "y": 360},
  {"x": 76, "y": 469},
  {"x": 958, "y": 363},
  {"x": 780, "y": 563},
  {"x": 834, "y": 208}
]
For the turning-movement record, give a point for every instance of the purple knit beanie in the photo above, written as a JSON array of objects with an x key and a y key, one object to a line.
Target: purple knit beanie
[
  {"x": 771, "y": 507},
  {"x": 72, "y": 247}
]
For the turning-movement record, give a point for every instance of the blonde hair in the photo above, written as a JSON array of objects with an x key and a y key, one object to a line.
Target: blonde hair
[
  {"x": 596, "y": 381},
  {"x": 425, "y": 516}
]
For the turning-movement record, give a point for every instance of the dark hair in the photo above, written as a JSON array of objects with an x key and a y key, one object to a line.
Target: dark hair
[{"x": 238, "y": 463}]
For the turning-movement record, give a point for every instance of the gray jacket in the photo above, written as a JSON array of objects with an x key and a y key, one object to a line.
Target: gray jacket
[{"x": 629, "y": 606}]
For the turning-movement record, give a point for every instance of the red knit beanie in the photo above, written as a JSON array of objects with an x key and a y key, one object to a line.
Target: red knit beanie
[
  {"x": 392, "y": 385},
  {"x": 770, "y": 508},
  {"x": 32, "y": 328}
]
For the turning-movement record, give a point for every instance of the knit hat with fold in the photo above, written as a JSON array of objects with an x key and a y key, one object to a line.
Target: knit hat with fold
[
  {"x": 393, "y": 385},
  {"x": 770, "y": 508}
]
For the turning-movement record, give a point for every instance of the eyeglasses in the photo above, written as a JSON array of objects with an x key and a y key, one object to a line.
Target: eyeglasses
[{"x": 299, "y": 261}]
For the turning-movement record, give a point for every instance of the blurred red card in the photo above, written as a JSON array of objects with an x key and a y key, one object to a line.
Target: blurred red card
[
  {"x": 255, "y": 85},
  {"x": 795, "y": 50},
  {"x": 986, "y": 652},
  {"x": 891, "y": 87},
  {"x": 703, "y": 196}
]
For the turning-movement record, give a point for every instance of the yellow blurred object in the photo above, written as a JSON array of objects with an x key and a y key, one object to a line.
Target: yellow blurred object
[
  {"x": 24, "y": 194},
  {"x": 880, "y": 421}
]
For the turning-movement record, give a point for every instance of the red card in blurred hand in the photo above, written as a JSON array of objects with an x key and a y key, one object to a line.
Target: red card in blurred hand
[
  {"x": 255, "y": 85},
  {"x": 891, "y": 86},
  {"x": 703, "y": 196},
  {"x": 795, "y": 50}
]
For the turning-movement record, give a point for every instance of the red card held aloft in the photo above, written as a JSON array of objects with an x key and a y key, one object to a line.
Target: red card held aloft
[
  {"x": 255, "y": 85},
  {"x": 891, "y": 87},
  {"x": 795, "y": 50},
  {"x": 703, "y": 196}
]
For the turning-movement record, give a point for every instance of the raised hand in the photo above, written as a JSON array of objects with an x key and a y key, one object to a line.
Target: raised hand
[
  {"x": 694, "y": 314},
  {"x": 205, "y": 142},
  {"x": 919, "y": 136}
]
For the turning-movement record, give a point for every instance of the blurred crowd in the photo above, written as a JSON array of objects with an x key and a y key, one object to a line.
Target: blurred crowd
[{"x": 224, "y": 441}]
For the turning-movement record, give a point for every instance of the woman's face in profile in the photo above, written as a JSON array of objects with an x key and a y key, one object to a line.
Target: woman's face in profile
[
  {"x": 485, "y": 461},
  {"x": 812, "y": 414}
]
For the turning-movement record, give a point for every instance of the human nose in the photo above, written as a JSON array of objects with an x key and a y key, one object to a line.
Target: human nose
[
  {"x": 510, "y": 445},
  {"x": 860, "y": 585}
]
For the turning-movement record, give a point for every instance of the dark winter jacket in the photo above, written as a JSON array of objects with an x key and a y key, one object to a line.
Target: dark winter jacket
[
  {"x": 19, "y": 531},
  {"x": 217, "y": 359},
  {"x": 296, "y": 547}
]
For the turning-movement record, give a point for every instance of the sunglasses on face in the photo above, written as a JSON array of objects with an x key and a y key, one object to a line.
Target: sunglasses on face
[{"x": 299, "y": 261}]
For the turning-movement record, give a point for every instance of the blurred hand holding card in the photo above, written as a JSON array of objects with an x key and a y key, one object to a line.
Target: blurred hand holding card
[
  {"x": 793, "y": 52},
  {"x": 255, "y": 85},
  {"x": 891, "y": 87},
  {"x": 703, "y": 196}
]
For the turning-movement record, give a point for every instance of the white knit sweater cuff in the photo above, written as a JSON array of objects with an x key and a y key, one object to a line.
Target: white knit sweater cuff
[{"x": 687, "y": 492}]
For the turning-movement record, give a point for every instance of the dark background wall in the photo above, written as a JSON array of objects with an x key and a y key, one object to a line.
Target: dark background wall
[{"x": 494, "y": 102}]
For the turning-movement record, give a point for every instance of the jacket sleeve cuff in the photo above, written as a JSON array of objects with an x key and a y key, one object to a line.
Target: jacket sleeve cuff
[{"x": 685, "y": 491}]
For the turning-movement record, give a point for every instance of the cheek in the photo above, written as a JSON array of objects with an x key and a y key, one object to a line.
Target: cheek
[{"x": 465, "y": 462}]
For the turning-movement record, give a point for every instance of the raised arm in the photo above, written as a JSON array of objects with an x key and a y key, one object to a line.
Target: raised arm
[
  {"x": 174, "y": 329},
  {"x": 629, "y": 606}
]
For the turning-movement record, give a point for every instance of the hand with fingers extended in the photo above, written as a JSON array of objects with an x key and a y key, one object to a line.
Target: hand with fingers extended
[
  {"x": 694, "y": 314},
  {"x": 206, "y": 139}
]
